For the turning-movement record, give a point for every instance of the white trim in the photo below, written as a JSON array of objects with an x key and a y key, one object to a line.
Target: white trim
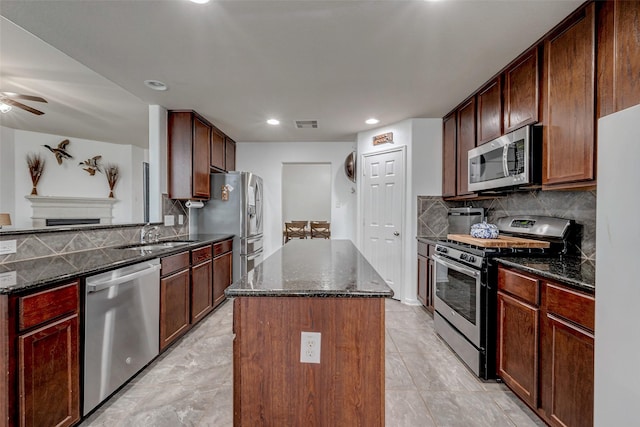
[{"x": 59, "y": 207}]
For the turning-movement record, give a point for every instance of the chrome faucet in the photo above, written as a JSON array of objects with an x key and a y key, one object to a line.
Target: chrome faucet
[{"x": 149, "y": 233}]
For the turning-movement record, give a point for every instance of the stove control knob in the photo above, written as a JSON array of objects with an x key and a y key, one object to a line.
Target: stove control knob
[
  {"x": 443, "y": 250},
  {"x": 472, "y": 258},
  {"x": 464, "y": 257}
]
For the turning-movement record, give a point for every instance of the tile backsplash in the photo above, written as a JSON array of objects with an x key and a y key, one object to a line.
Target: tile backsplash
[
  {"x": 49, "y": 243},
  {"x": 579, "y": 206}
]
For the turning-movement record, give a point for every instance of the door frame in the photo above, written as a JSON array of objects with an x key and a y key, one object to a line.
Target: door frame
[{"x": 402, "y": 226}]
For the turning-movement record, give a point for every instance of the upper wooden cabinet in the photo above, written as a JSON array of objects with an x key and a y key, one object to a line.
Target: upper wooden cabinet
[
  {"x": 521, "y": 91},
  {"x": 618, "y": 55},
  {"x": 230, "y": 154},
  {"x": 466, "y": 140},
  {"x": 569, "y": 102},
  {"x": 217, "y": 149},
  {"x": 449, "y": 130},
  {"x": 489, "y": 100},
  {"x": 189, "y": 153}
]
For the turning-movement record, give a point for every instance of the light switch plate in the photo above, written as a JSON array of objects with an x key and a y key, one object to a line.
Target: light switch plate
[
  {"x": 7, "y": 247},
  {"x": 180, "y": 219},
  {"x": 169, "y": 220},
  {"x": 9, "y": 278}
]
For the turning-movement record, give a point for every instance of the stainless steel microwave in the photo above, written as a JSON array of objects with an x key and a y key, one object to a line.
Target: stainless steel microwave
[{"x": 512, "y": 160}]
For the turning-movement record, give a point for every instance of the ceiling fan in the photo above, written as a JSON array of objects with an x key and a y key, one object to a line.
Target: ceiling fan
[{"x": 8, "y": 100}]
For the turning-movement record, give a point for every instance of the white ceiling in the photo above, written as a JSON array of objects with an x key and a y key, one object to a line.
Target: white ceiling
[{"x": 240, "y": 62}]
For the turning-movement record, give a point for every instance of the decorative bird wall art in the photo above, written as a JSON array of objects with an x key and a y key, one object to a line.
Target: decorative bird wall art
[
  {"x": 92, "y": 165},
  {"x": 61, "y": 151}
]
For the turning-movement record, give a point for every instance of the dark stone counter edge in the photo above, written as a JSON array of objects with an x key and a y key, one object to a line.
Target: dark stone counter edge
[
  {"x": 65, "y": 228},
  {"x": 569, "y": 281},
  {"x": 232, "y": 293},
  {"x": 432, "y": 240},
  {"x": 194, "y": 242}
]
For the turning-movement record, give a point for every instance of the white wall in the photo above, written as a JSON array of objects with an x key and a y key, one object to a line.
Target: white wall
[
  {"x": 423, "y": 141},
  {"x": 7, "y": 172},
  {"x": 306, "y": 191},
  {"x": 69, "y": 179},
  {"x": 158, "y": 122},
  {"x": 266, "y": 159}
]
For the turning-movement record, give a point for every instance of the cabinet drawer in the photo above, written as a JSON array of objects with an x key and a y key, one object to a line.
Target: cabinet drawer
[
  {"x": 524, "y": 287},
  {"x": 46, "y": 305},
  {"x": 222, "y": 247},
  {"x": 174, "y": 263},
  {"x": 200, "y": 255},
  {"x": 576, "y": 307}
]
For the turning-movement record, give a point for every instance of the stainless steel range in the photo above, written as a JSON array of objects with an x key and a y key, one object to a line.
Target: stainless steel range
[{"x": 466, "y": 283}]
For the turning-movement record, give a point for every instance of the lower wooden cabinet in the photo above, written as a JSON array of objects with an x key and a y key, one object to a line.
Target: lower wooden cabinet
[
  {"x": 425, "y": 275},
  {"x": 174, "y": 298},
  {"x": 546, "y": 346},
  {"x": 222, "y": 270},
  {"x": 39, "y": 361},
  {"x": 201, "y": 283},
  {"x": 518, "y": 332},
  {"x": 48, "y": 374}
]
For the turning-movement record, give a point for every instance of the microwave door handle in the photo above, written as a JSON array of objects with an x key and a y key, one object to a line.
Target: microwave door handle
[{"x": 505, "y": 160}]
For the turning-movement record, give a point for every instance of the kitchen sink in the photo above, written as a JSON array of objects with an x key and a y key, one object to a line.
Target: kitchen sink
[{"x": 154, "y": 246}]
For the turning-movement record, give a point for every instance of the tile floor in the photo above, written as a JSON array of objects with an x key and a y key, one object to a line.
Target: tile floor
[{"x": 426, "y": 384}]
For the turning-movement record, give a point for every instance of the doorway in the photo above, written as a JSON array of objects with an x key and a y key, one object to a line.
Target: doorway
[{"x": 383, "y": 200}]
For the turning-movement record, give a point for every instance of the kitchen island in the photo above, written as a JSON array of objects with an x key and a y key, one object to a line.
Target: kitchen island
[{"x": 319, "y": 286}]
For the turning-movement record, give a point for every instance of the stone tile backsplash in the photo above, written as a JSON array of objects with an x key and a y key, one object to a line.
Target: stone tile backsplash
[
  {"x": 49, "y": 243},
  {"x": 579, "y": 206}
]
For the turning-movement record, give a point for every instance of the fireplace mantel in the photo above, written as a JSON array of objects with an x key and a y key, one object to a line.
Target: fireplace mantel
[{"x": 59, "y": 207}]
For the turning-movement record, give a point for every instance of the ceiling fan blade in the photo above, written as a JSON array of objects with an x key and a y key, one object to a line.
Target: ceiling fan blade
[
  {"x": 21, "y": 105},
  {"x": 14, "y": 95}
]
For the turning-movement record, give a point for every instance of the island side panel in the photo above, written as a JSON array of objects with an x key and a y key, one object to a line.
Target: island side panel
[{"x": 272, "y": 387}]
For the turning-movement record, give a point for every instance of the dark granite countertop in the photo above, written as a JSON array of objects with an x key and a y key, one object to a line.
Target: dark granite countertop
[
  {"x": 32, "y": 274},
  {"x": 573, "y": 271},
  {"x": 429, "y": 239},
  {"x": 313, "y": 268}
]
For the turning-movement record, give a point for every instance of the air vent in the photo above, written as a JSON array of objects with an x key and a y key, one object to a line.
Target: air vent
[{"x": 307, "y": 124}]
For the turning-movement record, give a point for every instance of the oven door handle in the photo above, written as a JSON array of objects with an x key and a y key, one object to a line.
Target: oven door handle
[{"x": 456, "y": 266}]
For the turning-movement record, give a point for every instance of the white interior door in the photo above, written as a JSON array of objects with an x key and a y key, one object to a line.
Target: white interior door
[{"x": 383, "y": 201}]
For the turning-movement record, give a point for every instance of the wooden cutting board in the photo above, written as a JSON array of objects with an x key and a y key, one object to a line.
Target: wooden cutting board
[{"x": 500, "y": 242}]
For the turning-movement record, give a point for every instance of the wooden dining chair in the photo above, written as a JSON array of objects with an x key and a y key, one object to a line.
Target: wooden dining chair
[
  {"x": 320, "y": 230},
  {"x": 295, "y": 230}
]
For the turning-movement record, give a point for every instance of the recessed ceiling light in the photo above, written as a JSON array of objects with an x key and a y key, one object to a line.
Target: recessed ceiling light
[
  {"x": 155, "y": 85},
  {"x": 200, "y": 1},
  {"x": 273, "y": 122},
  {"x": 372, "y": 121}
]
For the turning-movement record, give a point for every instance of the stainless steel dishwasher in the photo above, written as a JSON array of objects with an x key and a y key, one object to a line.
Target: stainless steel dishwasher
[{"x": 121, "y": 336}]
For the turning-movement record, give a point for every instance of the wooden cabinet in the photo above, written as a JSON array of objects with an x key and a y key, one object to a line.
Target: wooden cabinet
[
  {"x": 546, "y": 346},
  {"x": 567, "y": 362},
  {"x": 489, "y": 119},
  {"x": 518, "y": 334},
  {"x": 201, "y": 283},
  {"x": 618, "y": 56},
  {"x": 466, "y": 140},
  {"x": 217, "y": 150},
  {"x": 425, "y": 275},
  {"x": 230, "y": 154},
  {"x": 521, "y": 91},
  {"x": 48, "y": 374},
  {"x": 189, "y": 137},
  {"x": 222, "y": 270},
  {"x": 569, "y": 102},
  {"x": 40, "y": 377},
  {"x": 449, "y": 149},
  {"x": 174, "y": 298}
]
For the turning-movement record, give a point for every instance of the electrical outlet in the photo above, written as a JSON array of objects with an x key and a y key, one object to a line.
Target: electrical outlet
[
  {"x": 169, "y": 220},
  {"x": 7, "y": 247},
  {"x": 310, "y": 347},
  {"x": 180, "y": 219}
]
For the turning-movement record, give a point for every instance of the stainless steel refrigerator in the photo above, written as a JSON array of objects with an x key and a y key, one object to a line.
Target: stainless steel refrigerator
[
  {"x": 235, "y": 207},
  {"x": 617, "y": 336}
]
